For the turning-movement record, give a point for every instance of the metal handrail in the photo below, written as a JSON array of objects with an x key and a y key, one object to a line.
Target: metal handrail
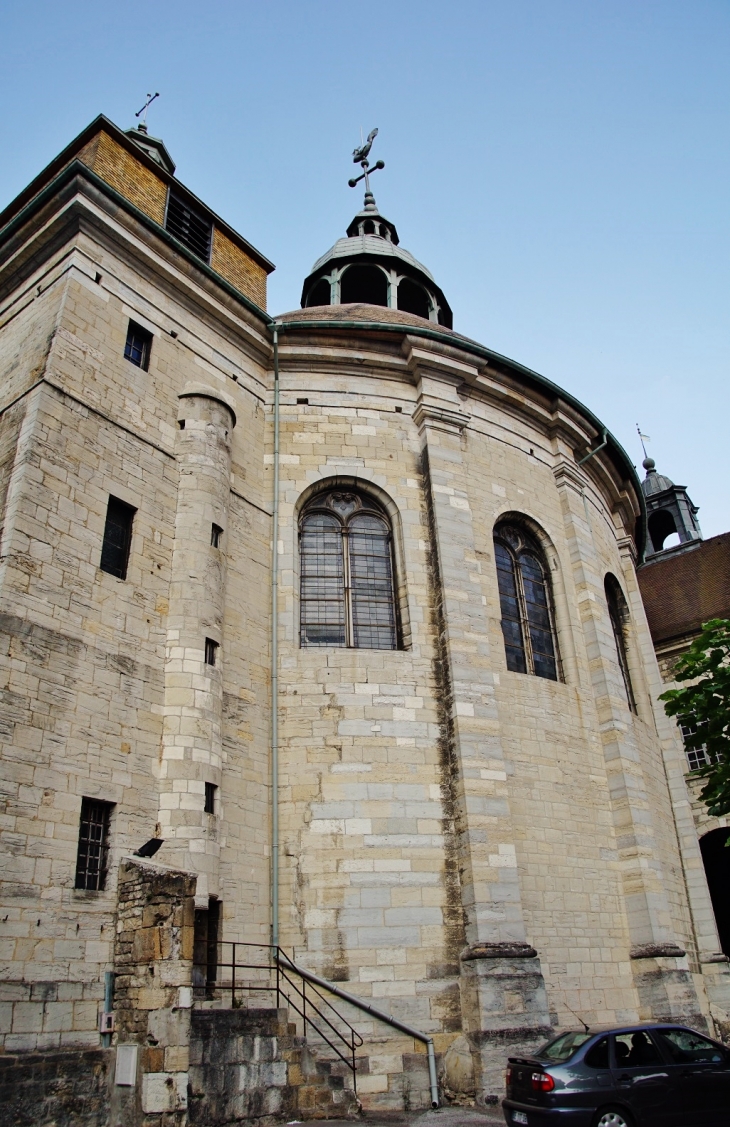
[
  {"x": 344, "y": 1046},
  {"x": 283, "y": 963}
]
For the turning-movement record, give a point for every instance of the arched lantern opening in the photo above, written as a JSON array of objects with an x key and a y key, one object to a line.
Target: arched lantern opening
[
  {"x": 412, "y": 298},
  {"x": 661, "y": 526},
  {"x": 366, "y": 284},
  {"x": 319, "y": 293}
]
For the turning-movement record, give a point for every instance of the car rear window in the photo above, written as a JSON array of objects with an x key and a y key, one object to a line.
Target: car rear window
[{"x": 563, "y": 1047}]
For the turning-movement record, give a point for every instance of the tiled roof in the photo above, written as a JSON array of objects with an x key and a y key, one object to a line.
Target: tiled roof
[
  {"x": 357, "y": 311},
  {"x": 686, "y": 587}
]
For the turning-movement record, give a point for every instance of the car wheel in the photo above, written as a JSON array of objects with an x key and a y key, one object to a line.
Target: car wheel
[{"x": 612, "y": 1117}]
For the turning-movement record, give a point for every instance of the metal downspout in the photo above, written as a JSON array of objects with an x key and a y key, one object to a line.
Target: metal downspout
[
  {"x": 374, "y": 1012},
  {"x": 275, "y": 662},
  {"x": 589, "y": 455}
]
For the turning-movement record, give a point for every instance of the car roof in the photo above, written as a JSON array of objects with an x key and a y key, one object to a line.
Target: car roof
[{"x": 636, "y": 1028}]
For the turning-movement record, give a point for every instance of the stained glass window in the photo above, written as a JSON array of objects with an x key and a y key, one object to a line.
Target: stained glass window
[
  {"x": 347, "y": 595},
  {"x": 524, "y": 595},
  {"x": 618, "y": 613}
]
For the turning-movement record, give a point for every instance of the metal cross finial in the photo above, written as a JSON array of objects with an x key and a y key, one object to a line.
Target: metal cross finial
[
  {"x": 360, "y": 156},
  {"x": 145, "y": 107}
]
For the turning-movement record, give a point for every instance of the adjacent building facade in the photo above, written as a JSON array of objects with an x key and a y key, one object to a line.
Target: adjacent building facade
[
  {"x": 483, "y": 823},
  {"x": 684, "y": 586}
]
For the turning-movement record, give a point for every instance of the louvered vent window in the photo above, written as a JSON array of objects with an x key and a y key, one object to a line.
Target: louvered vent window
[{"x": 189, "y": 226}]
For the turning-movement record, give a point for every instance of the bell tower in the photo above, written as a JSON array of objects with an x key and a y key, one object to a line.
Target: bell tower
[{"x": 669, "y": 510}]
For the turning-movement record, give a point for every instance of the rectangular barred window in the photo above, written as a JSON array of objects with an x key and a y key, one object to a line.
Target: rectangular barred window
[
  {"x": 138, "y": 345},
  {"x": 189, "y": 226},
  {"x": 117, "y": 538},
  {"x": 91, "y": 859}
]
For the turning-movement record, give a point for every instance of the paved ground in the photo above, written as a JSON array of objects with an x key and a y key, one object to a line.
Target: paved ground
[{"x": 443, "y": 1117}]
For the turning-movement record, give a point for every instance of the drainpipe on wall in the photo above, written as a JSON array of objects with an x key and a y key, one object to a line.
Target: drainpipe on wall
[{"x": 275, "y": 662}]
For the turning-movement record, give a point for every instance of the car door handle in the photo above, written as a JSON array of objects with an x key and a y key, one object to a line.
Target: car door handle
[{"x": 625, "y": 1080}]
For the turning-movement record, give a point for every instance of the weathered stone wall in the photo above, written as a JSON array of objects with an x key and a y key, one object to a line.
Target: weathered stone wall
[
  {"x": 249, "y": 1066},
  {"x": 56, "y": 1089},
  {"x": 83, "y": 653},
  {"x": 153, "y": 996},
  {"x": 477, "y": 851},
  {"x": 542, "y": 812}
]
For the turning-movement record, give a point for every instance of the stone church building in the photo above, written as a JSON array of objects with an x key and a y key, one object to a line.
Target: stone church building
[{"x": 321, "y": 630}]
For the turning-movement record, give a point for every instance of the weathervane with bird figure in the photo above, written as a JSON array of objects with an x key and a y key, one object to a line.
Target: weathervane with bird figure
[{"x": 360, "y": 156}]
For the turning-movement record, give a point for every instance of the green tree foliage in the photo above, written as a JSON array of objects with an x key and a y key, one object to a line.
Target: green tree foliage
[{"x": 703, "y": 708}]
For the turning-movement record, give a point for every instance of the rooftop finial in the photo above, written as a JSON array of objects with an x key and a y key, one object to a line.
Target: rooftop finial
[
  {"x": 644, "y": 438},
  {"x": 143, "y": 123},
  {"x": 360, "y": 156}
]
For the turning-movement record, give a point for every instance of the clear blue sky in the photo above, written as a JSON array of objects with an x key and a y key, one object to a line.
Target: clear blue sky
[{"x": 560, "y": 166}]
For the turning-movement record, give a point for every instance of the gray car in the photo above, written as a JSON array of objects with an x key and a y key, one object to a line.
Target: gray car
[{"x": 659, "y": 1075}]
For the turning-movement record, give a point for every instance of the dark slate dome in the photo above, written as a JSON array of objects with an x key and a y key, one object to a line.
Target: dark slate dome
[
  {"x": 654, "y": 482},
  {"x": 369, "y": 267}
]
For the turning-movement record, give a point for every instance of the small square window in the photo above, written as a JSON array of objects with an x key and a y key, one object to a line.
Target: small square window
[
  {"x": 215, "y": 535},
  {"x": 91, "y": 858},
  {"x": 210, "y": 789},
  {"x": 696, "y": 757},
  {"x": 211, "y": 651},
  {"x": 117, "y": 538},
  {"x": 138, "y": 346}
]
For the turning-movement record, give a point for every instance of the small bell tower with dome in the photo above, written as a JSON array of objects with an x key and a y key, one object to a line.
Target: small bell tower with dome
[
  {"x": 669, "y": 510},
  {"x": 368, "y": 267}
]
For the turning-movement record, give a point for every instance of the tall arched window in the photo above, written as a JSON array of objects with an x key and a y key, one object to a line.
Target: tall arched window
[
  {"x": 618, "y": 612},
  {"x": 347, "y": 593},
  {"x": 524, "y": 595}
]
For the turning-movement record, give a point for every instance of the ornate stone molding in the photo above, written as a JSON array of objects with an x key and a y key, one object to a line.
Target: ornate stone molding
[
  {"x": 657, "y": 951},
  {"x": 441, "y": 418},
  {"x": 498, "y": 951}
]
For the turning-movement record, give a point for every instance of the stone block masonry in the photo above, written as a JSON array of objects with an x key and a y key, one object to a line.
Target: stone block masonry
[
  {"x": 56, "y": 1089},
  {"x": 153, "y": 965},
  {"x": 482, "y": 852}
]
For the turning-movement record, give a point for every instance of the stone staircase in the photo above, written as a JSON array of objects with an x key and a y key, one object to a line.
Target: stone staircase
[{"x": 249, "y": 1066}]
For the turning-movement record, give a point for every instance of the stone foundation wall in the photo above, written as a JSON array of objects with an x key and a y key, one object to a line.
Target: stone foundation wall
[
  {"x": 248, "y": 1066},
  {"x": 56, "y": 1089}
]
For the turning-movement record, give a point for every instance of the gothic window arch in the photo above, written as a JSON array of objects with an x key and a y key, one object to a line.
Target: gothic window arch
[
  {"x": 525, "y": 599},
  {"x": 347, "y": 592},
  {"x": 618, "y": 612}
]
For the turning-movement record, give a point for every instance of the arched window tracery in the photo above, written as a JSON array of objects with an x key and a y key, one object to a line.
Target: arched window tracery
[
  {"x": 525, "y": 600},
  {"x": 618, "y": 612},
  {"x": 347, "y": 574}
]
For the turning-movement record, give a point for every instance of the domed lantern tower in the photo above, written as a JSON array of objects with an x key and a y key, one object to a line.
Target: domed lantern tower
[
  {"x": 369, "y": 267},
  {"x": 668, "y": 510}
]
